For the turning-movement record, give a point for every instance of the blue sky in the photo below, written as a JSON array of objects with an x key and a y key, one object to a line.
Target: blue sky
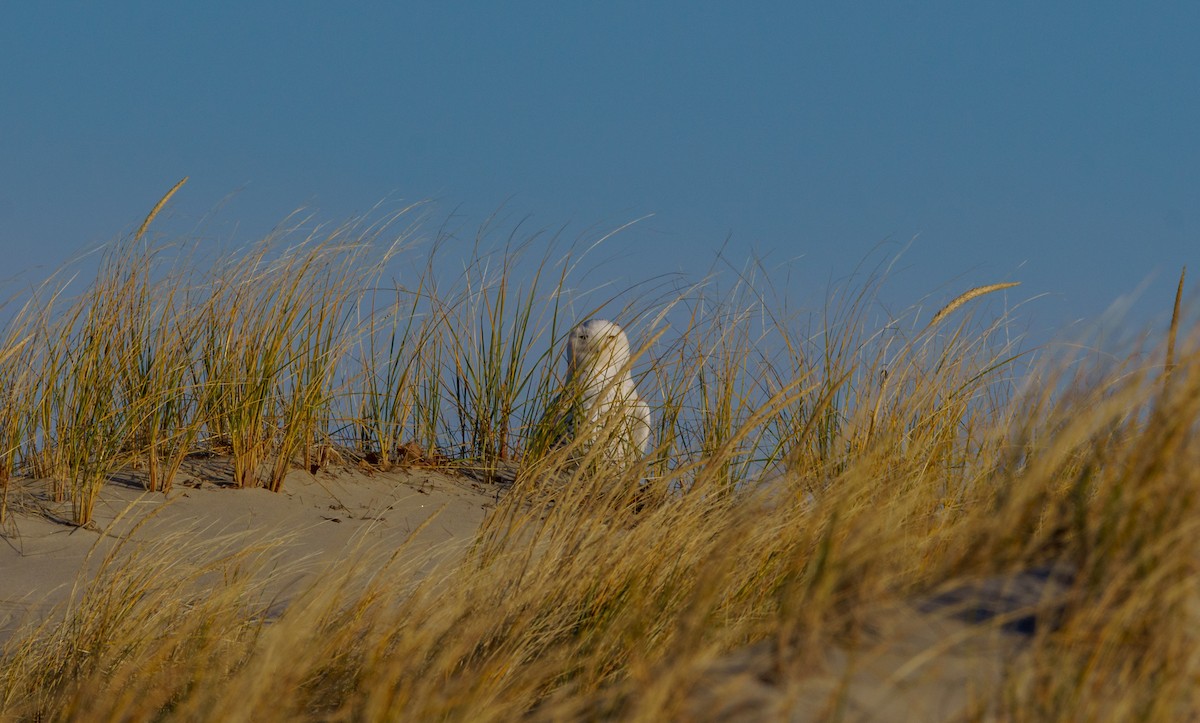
[{"x": 1054, "y": 144}]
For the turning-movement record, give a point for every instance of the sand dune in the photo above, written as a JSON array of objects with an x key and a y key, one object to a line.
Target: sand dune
[{"x": 316, "y": 520}]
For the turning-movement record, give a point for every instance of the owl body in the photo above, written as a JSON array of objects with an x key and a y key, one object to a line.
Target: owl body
[{"x": 604, "y": 406}]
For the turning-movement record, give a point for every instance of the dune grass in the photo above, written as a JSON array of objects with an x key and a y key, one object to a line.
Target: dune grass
[{"x": 803, "y": 475}]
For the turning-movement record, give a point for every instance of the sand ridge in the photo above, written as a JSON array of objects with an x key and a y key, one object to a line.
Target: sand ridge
[{"x": 316, "y": 520}]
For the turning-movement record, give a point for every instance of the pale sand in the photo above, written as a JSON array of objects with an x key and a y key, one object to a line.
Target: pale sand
[{"x": 314, "y": 521}]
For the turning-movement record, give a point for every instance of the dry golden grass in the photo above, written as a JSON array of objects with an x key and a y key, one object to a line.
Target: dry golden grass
[
  {"x": 968, "y": 296},
  {"x": 802, "y": 480},
  {"x": 158, "y": 207},
  {"x": 1173, "y": 331}
]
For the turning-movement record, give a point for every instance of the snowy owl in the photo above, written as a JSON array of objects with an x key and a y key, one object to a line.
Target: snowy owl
[{"x": 600, "y": 404}]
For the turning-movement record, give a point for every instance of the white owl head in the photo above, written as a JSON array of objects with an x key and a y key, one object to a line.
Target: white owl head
[{"x": 597, "y": 344}]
